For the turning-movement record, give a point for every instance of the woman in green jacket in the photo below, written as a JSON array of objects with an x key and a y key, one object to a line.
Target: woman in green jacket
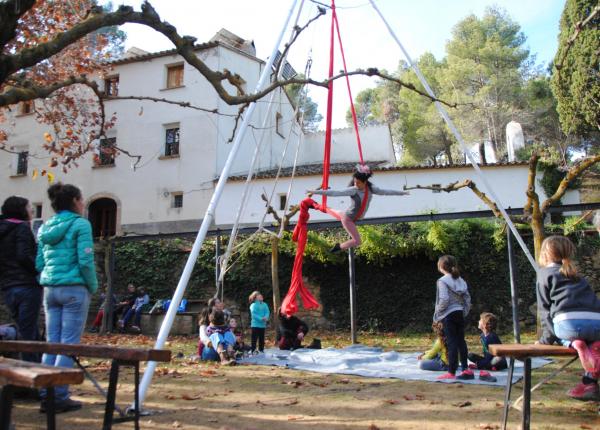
[{"x": 65, "y": 260}]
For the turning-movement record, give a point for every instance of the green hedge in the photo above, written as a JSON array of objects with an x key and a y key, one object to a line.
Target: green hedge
[{"x": 395, "y": 271}]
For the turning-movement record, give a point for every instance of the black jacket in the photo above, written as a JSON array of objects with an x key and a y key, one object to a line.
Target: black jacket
[
  {"x": 557, "y": 294},
  {"x": 290, "y": 327},
  {"x": 17, "y": 255}
]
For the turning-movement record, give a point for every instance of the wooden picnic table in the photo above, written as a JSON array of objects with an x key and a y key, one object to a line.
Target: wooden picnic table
[
  {"x": 119, "y": 356},
  {"x": 524, "y": 352},
  {"x": 18, "y": 373}
]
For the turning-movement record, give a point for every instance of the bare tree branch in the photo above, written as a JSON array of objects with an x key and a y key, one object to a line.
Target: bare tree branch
[
  {"x": 297, "y": 31},
  {"x": 167, "y": 101},
  {"x": 184, "y": 46},
  {"x": 286, "y": 220},
  {"x": 573, "y": 173},
  {"x": 533, "y": 161},
  {"x": 455, "y": 186}
]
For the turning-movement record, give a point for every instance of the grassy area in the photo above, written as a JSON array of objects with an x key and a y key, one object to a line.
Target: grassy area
[{"x": 192, "y": 395}]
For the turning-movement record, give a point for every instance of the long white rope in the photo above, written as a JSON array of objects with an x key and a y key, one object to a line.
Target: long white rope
[
  {"x": 209, "y": 216},
  {"x": 460, "y": 140}
]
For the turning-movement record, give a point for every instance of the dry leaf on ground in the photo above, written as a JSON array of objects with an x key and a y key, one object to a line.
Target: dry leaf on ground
[{"x": 462, "y": 404}]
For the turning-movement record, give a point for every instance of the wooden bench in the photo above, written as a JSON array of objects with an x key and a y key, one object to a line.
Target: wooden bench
[
  {"x": 118, "y": 356},
  {"x": 525, "y": 353},
  {"x": 17, "y": 373}
]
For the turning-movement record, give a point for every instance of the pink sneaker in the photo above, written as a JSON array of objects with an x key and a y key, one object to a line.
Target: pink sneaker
[
  {"x": 486, "y": 376},
  {"x": 466, "y": 375},
  {"x": 584, "y": 392},
  {"x": 446, "y": 376},
  {"x": 588, "y": 360}
]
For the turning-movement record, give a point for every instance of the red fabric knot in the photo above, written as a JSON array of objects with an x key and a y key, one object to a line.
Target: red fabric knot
[{"x": 289, "y": 305}]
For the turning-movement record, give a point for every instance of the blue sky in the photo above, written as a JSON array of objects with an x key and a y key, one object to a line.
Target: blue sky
[{"x": 421, "y": 25}]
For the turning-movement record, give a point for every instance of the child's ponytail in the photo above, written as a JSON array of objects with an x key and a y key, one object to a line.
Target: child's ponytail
[
  {"x": 568, "y": 269},
  {"x": 559, "y": 250},
  {"x": 448, "y": 263}
]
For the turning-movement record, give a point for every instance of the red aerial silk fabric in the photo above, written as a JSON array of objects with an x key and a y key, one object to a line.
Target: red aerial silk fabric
[{"x": 289, "y": 305}]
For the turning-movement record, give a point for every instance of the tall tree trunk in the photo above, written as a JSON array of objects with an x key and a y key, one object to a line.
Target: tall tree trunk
[
  {"x": 447, "y": 148},
  {"x": 107, "y": 319},
  {"x": 275, "y": 277},
  {"x": 482, "y": 159}
]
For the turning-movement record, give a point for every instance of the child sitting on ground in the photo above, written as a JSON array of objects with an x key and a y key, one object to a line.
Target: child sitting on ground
[
  {"x": 487, "y": 325},
  {"x": 221, "y": 337},
  {"x": 436, "y": 358},
  {"x": 240, "y": 346}
]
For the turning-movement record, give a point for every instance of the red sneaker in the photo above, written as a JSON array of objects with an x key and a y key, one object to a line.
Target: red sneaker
[
  {"x": 472, "y": 366},
  {"x": 585, "y": 355},
  {"x": 585, "y": 392},
  {"x": 446, "y": 376},
  {"x": 486, "y": 376},
  {"x": 466, "y": 375}
]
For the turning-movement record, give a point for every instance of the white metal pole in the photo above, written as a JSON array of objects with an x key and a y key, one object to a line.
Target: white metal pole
[
  {"x": 460, "y": 140},
  {"x": 208, "y": 217}
]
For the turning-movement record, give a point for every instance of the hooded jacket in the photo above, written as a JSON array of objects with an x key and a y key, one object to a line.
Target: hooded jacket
[
  {"x": 451, "y": 295},
  {"x": 17, "y": 255},
  {"x": 66, "y": 252},
  {"x": 557, "y": 294}
]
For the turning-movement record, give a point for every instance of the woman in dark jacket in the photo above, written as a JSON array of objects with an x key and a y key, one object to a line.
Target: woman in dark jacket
[
  {"x": 290, "y": 331},
  {"x": 18, "y": 277}
]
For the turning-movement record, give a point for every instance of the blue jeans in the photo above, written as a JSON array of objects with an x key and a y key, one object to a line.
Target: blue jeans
[
  {"x": 137, "y": 317},
  {"x": 226, "y": 339},
  {"x": 209, "y": 354},
  {"x": 66, "y": 313},
  {"x": 569, "y": 330},
  {"x": 24, "y": 304},
  {"x": 435, "y": 364}
]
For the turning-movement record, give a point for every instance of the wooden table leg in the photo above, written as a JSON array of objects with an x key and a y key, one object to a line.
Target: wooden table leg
[
  {"x": 507, "y": 390},
  {"x": 111, "y": 395},
  {"x": 6, "y": 400},
  {"x": 136, "y": 403},
  {"x": 526, "y": 419},
  {"x": 50, "y": 409}
]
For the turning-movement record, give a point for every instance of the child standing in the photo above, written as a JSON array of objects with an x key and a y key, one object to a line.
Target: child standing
[
  {"x": 487, "y": 324},
  {"x": 569, "y": 311},
  {"x": 259, "y": 311},
  {"x": 436, "y": 358},
  {"x": 452, "y": 304}
]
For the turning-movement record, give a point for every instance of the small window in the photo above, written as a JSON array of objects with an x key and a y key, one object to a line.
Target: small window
[
  {"x": 106, "y": 152},
  {"x": 25, "y": 108},
  {"x": 282, "y": 202},
  {"x": 278, "y": 129},
  {"x": 175, "y": 76},
  {"x": 172, "y": 141},
  {"x": 111, "y": 86},
  {"x": 177, "y": 200},
  {"x": 22, "y": 162},
  {"x": 436, "y": 188},
  {"x": 37, "y": 210}
]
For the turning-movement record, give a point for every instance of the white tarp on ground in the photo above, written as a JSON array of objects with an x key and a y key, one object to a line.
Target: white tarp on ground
[{"x": 372, "y": 362}]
